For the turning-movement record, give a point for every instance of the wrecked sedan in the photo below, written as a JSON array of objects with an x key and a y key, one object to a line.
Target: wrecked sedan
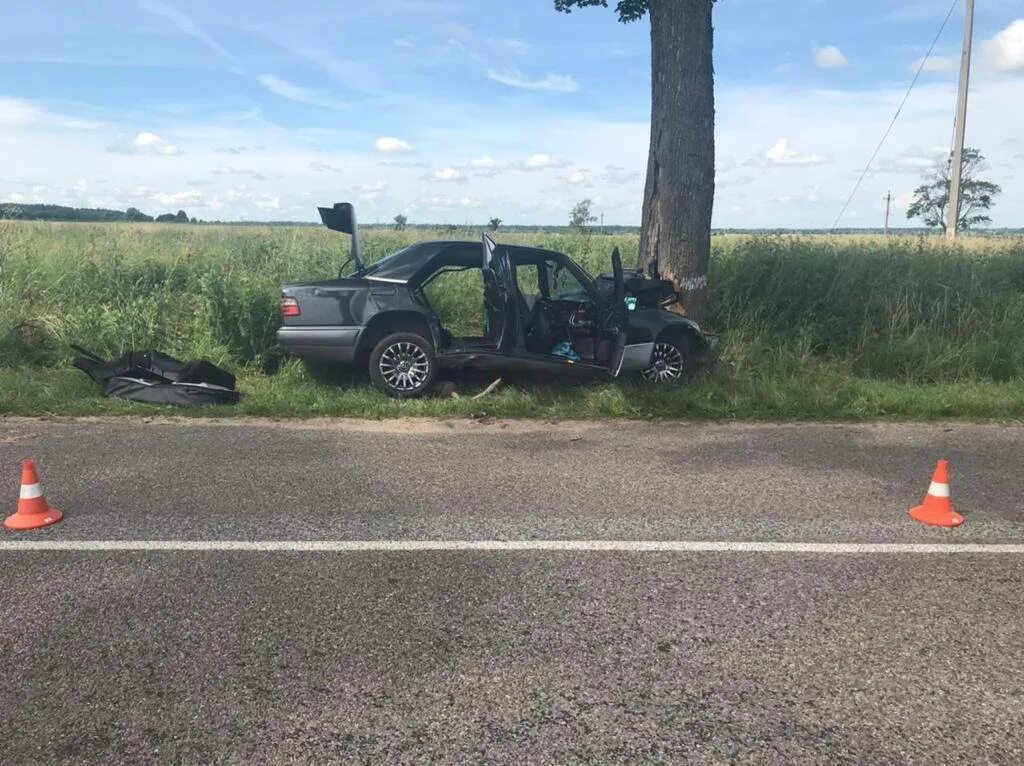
[{"x": 541, "y": 313}]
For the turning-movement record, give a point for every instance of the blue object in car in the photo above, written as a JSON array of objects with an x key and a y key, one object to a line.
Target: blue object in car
[{"x": 565, "y": 349}]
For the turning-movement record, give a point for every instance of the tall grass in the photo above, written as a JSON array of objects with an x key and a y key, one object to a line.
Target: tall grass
[
  {"x": 898, "y": 310},
  {"x": 192, "y": 291},
  {"x": 913, "y": 310}
]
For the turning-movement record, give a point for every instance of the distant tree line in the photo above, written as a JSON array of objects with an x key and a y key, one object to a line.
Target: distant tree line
[{"x": 19, "y": 212}]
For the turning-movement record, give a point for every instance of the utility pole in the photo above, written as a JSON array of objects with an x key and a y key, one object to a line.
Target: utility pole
[
  {"x": 953, "y": 212},
  {"x": 888, "y": 205}
]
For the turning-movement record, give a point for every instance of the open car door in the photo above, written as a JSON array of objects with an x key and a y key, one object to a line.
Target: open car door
[
  {"x": 626, "y": 356},
  {"x": 499, "y": 295},
  {"x": 342, "y": 217}
]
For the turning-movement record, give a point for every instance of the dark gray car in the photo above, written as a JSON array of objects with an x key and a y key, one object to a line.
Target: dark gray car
[{"x": 543, "y": 315}]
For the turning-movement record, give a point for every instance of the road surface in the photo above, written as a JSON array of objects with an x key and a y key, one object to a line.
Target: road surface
[{"x": 250, "y": 591}]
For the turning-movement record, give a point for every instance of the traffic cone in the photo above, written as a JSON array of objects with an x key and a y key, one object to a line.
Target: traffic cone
[
  {"x": 33, "y": 512},
  {"x": 937, "y": 509}
]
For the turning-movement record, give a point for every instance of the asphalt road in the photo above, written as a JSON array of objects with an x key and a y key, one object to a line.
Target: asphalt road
[{"x": 544, "y": 656}]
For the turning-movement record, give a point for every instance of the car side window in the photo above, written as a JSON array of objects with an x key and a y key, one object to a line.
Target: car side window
[
  {"x": 527, "y": 279},
  {"x": 455, "y": 295}
]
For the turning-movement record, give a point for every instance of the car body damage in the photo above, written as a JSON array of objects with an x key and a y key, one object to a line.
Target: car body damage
[{"x": 542, "y": 314}]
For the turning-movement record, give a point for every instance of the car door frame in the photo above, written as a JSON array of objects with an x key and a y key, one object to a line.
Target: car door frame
[
  {"x": 626, "y": 357},
  {"x": 499, "y": 294}
]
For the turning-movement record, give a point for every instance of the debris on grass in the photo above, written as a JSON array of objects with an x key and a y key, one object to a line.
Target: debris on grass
[{"x": 489, "y": 389}]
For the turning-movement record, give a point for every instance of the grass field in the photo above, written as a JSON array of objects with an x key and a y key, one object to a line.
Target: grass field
[{"x": 814, "y": 327}]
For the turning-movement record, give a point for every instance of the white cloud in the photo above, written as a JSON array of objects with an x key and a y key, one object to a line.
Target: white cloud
[
  {"x": 16, "y": 198},
  {"x": 403, "y": 42},
  {"x": 936, "y": 65},
  {"x": 1005, "y": 51},
  {"x": 830, "y": 57},
  {"x": 293, "y": 92},
  {"x": 184, "y": 24},
  {"x": 484, "y": 166},
  {"x": 391, "y": 145},
  {"x": 577, "y": 177},
  {"x": 560, "y": 83},
  {"x": 16, "y": 111},
  {"x": 539, "y": 161},
  {"x": 782, "y": 154},
  {"x": 150, "y": 143},
  {"x": 447, "y": 174},
  {"x": 187, "y": 197}
]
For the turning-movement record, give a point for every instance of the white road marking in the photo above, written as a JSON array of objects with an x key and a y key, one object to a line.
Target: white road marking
[{"x": 627, "y": 546}]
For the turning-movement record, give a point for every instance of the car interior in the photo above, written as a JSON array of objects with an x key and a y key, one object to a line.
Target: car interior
[{"x": 557, "y": 313}]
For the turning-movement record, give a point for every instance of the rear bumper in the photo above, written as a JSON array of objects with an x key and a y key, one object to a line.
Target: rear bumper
[{"x": 337, "y": 344}]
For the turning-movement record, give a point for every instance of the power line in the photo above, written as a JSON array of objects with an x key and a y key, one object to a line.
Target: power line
[{"x": 896, "y": 116}]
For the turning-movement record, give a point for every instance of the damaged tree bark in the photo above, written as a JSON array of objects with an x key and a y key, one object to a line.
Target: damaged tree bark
[{"x": 675, "y": 234}]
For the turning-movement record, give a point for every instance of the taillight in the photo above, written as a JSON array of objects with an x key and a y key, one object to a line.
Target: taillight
[{"x": 290, "y": 307}]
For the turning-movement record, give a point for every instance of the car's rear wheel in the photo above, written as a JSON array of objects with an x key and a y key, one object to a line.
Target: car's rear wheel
[
  {"x": 670, "y": 363},
  {"x": 403, "y": 365}
]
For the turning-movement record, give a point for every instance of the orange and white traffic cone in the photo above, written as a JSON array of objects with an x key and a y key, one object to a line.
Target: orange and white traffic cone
[
  {"x": 33, "y": 512},
  {"x": 937, "y": 508}
]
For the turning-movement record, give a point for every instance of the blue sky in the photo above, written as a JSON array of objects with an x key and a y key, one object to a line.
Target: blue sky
[{"x": 459, "y": 110}]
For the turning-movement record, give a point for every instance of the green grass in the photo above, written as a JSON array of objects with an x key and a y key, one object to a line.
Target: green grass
[
  {"x": 814, "y": 327},
  {"x": 820, "y": 394}
]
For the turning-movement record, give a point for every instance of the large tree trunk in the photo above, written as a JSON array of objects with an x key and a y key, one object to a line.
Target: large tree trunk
[{"x": 676, "y": 228}]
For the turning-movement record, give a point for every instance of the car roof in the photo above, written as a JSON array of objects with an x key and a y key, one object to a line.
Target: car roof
[{"x": 402, "y": 265}]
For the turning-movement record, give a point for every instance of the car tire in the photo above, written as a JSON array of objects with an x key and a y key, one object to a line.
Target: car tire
[
  {"x": 671, "y": 363},
  {"x": 403, "y": 365}
]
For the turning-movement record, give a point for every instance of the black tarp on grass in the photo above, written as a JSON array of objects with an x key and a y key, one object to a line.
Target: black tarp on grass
[{"x": 153, "y": 377}]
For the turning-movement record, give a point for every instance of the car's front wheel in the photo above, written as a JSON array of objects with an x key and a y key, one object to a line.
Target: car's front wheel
[
  {"x": 670, "y": 362},
  {"x": 403, "y": 365}
]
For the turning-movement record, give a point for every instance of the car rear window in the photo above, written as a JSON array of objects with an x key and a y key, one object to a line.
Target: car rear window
[{"x": 394, "y": 266}]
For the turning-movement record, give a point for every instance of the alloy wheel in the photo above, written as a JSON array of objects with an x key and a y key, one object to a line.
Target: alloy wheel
[
  {"x": 666, "y": 364},
  {"x": 404, "y": 366}
]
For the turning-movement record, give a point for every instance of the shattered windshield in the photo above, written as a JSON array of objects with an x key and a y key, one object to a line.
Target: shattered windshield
[{"x": 566, "y": 286}]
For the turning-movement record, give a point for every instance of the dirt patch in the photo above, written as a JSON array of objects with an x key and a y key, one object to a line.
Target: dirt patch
[{"x": 411, "y": 426}]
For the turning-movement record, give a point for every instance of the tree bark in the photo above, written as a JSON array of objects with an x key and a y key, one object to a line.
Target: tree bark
[{"x": 675, "y": 233}]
